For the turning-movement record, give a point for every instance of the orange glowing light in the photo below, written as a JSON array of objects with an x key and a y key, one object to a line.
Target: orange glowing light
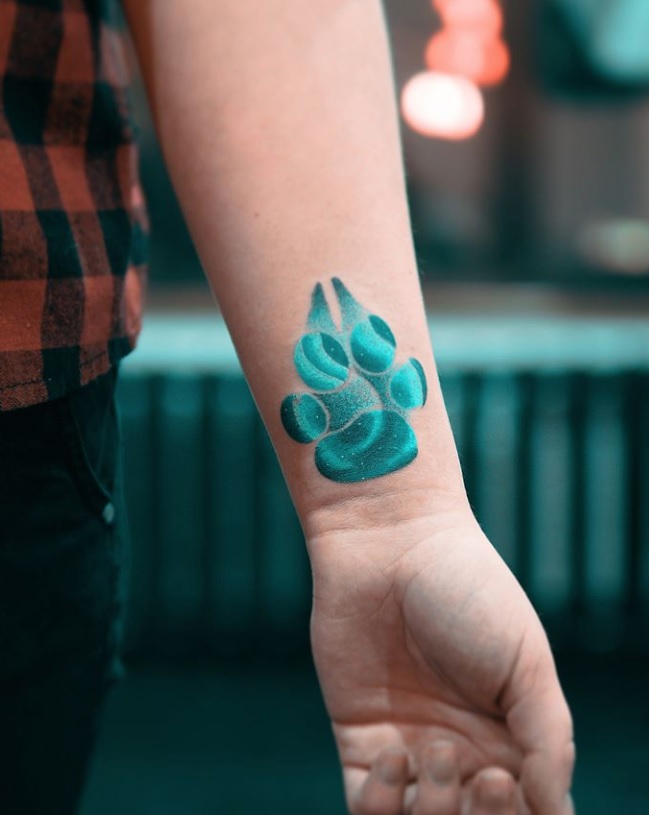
[
  {"x": 443, "y": 106},
  {"x": 485, "y": 15},
  {"x": 485, "y": 61},
  {"x": 445, "y": 101}
]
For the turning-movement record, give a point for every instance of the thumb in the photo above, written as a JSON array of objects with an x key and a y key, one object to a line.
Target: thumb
[{"x": 540, "y": 722}]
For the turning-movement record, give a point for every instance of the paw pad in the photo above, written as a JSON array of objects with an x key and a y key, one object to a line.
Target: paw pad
[
  {"x": 358, "y": 412},
  {"x": 373, "y": 345},
  {"x": 321, "y": 361}
]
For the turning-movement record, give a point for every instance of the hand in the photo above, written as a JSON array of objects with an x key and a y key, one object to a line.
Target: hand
[
  {"x": 439, "y": 792},
  {"x": 420, "y": 633}
]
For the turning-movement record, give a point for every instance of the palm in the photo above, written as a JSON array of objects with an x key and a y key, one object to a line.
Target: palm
[{"x": 439, "y": 644}]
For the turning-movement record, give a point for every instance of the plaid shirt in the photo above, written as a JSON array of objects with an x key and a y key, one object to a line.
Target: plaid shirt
[{"x": 72, "y": 218}]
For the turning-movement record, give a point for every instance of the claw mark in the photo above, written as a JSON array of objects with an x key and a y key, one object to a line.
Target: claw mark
[
  {"x": 320, "y": 317},
  {"x": 358, "y": 413}
]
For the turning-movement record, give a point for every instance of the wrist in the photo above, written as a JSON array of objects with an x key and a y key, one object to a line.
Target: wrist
[
  {"x": 376, "y": 510},
  {"x": 377, "y": 544}
]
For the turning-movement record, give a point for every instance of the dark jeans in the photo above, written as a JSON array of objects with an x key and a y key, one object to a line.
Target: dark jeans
[{"x": 62, "y": 538}]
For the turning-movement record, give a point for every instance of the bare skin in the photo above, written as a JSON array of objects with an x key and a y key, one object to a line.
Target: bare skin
[
  {"x": 279, "y": 126},
  {"x": 420, "y": 635}
]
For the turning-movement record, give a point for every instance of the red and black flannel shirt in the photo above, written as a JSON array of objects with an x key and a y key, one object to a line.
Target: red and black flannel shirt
[{"x": 72, "y": 217}]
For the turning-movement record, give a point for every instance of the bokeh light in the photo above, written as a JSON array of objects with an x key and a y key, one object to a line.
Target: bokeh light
[
  {"x": 445, "y": 101},
  {"x": 468, "y": 53},
  {"x": 442, "y": 105},
  {"x": 485, "y": 15},
  {"x": 616, "y": 244}
]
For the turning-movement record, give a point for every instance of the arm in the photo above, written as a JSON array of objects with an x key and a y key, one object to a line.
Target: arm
[
  {"x": 279, "y": 128},
  {"x": 280, "y": 132}
]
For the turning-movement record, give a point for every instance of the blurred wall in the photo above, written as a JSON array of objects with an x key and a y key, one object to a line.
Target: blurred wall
[{"x": 545, "y": 190}]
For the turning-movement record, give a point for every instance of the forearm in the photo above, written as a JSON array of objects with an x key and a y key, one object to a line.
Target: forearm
[{"x": 279, "y": 127}]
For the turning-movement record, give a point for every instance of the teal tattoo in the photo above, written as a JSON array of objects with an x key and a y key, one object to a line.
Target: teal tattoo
[{"x": 359, "y": 410}]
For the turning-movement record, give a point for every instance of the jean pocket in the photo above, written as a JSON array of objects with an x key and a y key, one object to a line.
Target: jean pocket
[{"x": 88, "y": 427}]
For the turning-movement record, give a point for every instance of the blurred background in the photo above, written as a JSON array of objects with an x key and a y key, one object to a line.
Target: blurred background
[{"x": 526, "y": 138}]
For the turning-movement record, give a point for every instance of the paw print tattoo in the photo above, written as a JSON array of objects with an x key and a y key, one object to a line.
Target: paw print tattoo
[{"x": 358, "y": 409}]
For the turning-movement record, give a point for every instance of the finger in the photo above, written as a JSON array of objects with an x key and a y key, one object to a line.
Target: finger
[
  {"x": 493, "y": 792},
  {"x": 438, "y": 782},
  {"x": 540, "y": 722},
  {"x": 382, "y": 790}
]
